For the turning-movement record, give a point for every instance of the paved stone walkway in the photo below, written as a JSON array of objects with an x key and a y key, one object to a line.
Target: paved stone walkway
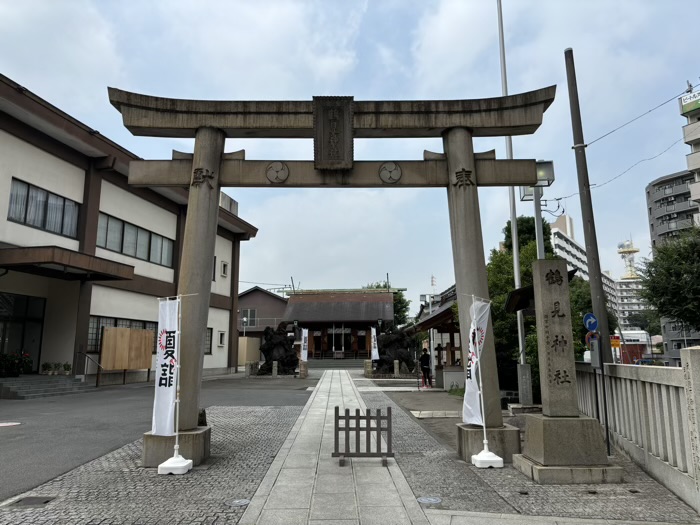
[
  {"x": 305, "y": 485},
  {"x": 281, "y": 458}
]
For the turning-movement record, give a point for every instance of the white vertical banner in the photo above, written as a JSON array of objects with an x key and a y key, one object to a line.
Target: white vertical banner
[
  {"x": 166, "y": 368},
  {"x": 375, "y": 348},
  {"x": 304, "y": 344},
  {"x": 479, "y": 313}
]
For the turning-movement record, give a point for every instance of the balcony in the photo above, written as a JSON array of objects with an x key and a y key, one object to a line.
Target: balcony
[
  {"x": 693, "y": 160},
  {"x": 691, "y": 133},
  {"x": 675, "y": 225},
  {"x": 695, "y": 192}
]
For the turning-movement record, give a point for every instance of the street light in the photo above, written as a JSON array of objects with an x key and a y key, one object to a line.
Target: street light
[
  {"x": 545, "y": 177},
  {"x": 245, "y": 323}
]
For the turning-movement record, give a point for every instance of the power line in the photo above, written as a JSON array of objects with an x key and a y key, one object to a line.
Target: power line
[
  {"x": 687, "y": 90},
  {"x": 595, "y": 186},
  {"x": 265, "y": 284}
]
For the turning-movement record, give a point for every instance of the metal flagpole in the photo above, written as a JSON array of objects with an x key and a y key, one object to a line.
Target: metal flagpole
[
  {"x": 177, "y": 379},
  {"x": 481, "y": 386}
]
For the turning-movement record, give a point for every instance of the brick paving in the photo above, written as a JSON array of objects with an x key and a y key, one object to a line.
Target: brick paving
[
  {"x": 433, "y": 470},
  {"x": 114, "y": 489}
]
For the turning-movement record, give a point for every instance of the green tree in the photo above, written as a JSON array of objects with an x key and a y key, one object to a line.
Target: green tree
[
  {"x": 526, "y": 234},
  {"x": 646, "y": 320},
  {"x": 401, "y": 304},
  {"x": 505, "y": 325},
  {"x": 670, "y": 280}
]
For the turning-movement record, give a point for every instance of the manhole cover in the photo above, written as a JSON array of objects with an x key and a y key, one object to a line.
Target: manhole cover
[
  {"x": 10, "y": 424},
  {"x": 238, "y": 503},
  {"x": 32, "y": 501},
  {"x": 429, "y": 500}
]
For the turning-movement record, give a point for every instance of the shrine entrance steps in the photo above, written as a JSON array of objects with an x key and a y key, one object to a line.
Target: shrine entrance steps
[{"x": 336, "y": 364}]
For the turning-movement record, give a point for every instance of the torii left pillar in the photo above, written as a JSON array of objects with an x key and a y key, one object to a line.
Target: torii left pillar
[
  {"x": 471, "y": 279},
  {"x": 194, "y": 286}
]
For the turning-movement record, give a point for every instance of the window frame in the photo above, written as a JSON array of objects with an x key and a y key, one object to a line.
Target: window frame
[
  {"x": 208, "y": 337},
  {"x": 140, "y": 232},
  {"x": 43, "y": 226}
]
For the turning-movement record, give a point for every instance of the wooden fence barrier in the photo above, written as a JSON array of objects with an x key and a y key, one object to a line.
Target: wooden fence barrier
[{"x": 363, "y": 434}]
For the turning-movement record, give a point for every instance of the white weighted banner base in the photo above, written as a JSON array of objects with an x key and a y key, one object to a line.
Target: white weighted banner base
[
  {"x": 175, "y": 465},
  {"x": 487, "y": 459}
]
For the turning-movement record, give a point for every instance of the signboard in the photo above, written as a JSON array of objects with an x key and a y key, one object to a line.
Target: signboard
[
  {"x": 333, "y": 145},
  {"x": 614, "y": 341},
  {"x": 304, "y": 344},
  {"x": 590, "y": 322},
  {"x": 690, "y": 102},
  {"x": 375, "y": 348}
]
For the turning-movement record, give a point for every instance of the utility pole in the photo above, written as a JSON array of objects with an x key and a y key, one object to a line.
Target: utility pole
[
  {"x": 589, "y": 231},
  {"x": 524, "y": 372}
]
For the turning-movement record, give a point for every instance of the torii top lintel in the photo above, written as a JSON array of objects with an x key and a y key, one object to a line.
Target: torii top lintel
[{"x": 519, "y": 114}]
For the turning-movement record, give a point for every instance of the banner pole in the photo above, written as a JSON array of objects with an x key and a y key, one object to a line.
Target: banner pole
[
  {"x": 481, "y": 385},
  {"x": 177, "y": 386}
]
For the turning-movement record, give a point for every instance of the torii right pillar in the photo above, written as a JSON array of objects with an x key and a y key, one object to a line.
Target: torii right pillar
[{"x": 471, "y": 279}]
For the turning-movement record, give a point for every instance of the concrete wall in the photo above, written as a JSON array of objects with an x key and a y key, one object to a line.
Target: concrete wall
[
  {"x": 222, "y": 285},
  {"x": 30, "y": 164},
  {"x": 60, "y": 317},
  {"x": 218, "y": 322}
]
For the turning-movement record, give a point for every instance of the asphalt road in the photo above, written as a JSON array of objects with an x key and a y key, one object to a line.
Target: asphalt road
[{"x": 58, "y": 434}]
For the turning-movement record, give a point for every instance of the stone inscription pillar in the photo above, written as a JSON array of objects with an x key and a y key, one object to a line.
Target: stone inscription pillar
[
  {"x": 555, "y": 339},
  {"x": 469, "y": 261},
  {"x": 196, "y": 267}
]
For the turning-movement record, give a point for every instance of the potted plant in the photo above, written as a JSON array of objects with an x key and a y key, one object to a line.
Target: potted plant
[
  {"x": 56, "y": 367},
  {"x": 66, "y": 368},
  {"x": 46, "y": 367},
  {"x": 25, "y": 362},
  {"x": 10, "y": 365}
]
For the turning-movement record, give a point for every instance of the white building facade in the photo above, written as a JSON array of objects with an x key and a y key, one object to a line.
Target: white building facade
[{"x": 80, "y": 249}]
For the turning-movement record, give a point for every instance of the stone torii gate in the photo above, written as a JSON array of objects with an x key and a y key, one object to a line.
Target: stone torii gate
[{"x": 333, "y": 122}]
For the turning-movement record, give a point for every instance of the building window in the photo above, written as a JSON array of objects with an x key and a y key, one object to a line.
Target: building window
[
  {"x": 123, "y": 237},
  {"x": 42, "y": 209},
  {"x": 222, "y": 338},
  {"x": 249, "y": 318},
  {"x": 207, "y": 342},
  {"x": 224, "y": 269}
]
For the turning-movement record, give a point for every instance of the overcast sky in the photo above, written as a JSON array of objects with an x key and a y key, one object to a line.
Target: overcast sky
[{"x": 630, "y": 57}]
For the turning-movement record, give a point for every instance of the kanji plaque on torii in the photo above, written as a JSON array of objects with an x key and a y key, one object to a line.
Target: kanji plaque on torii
[{"x": 333, "y": 123}]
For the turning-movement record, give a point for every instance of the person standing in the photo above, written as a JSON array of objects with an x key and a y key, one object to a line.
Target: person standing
[{"x": 425, "y": 368}]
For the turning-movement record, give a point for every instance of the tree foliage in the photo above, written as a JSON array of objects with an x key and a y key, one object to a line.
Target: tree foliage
[
  {"x": 646, "y": 320},
  {"x": 670, "y": 280},
  {"x": 505, "y": 325},
  {"x": 401, "y": 304},
  {"x": 526, "y": 234}
]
